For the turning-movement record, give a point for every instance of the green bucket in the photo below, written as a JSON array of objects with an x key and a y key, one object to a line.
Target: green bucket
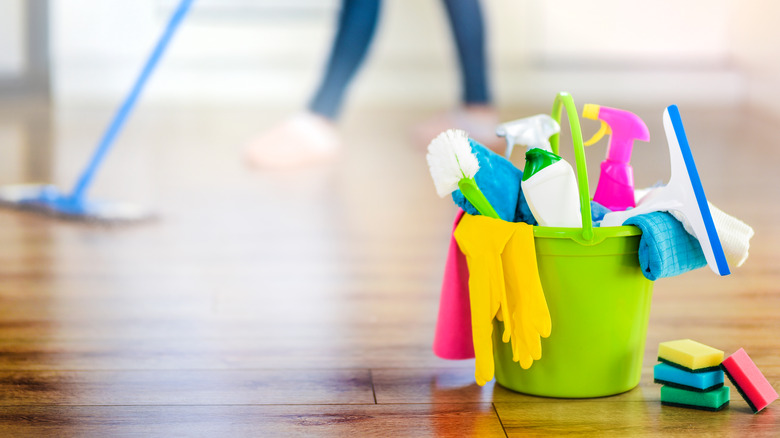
[{"x": 599, "y": 302}]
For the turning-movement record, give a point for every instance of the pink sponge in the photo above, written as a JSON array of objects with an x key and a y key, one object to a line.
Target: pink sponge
[{"x": 744, "y": 374}]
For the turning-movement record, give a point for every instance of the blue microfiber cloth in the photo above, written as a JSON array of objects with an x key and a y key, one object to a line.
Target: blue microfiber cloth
[
  {"x": 597, "y": 212},
  {"x": 499, "y": 181},
  {"x": 666, "y": 249}
]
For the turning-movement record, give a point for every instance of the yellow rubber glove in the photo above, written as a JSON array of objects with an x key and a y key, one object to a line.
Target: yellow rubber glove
[
  {"x": 522, "y": 243},
  {"x": 528, "y": 307},
  {"x": 482, "y": 239}
]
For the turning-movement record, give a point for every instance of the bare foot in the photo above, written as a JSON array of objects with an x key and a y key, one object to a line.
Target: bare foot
[
  {"x": 301, "y": 140},
  {"x": 479, "y": 121}
]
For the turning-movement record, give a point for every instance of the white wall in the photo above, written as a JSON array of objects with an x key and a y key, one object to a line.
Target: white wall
[
  {"x": 670, "y": 32},
  {"x": 12, "y": 30},
  {"x": 755, "y": 44},
  {"x": 271, "y": 52},
  {"x": 623, "y": 51},
  {"x": 98, "y": 47}
]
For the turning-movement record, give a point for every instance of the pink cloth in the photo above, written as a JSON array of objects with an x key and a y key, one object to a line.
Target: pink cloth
[{"x": 453, "y": 328}]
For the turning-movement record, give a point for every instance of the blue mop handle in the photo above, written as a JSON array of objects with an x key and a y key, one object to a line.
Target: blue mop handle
[{"x": 124, "y": 111}]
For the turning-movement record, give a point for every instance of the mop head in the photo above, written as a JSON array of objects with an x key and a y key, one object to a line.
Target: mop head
[{"x": 46, "y": 199}]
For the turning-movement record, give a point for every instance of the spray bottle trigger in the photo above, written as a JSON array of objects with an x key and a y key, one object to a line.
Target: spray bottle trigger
[{"x": 605, "y": 129}]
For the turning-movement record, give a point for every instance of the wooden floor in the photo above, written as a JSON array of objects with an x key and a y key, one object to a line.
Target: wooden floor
[{"x": 304, "y": 303}]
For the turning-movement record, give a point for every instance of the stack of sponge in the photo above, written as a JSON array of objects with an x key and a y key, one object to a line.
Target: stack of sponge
[{"x": 691, "y": 375}]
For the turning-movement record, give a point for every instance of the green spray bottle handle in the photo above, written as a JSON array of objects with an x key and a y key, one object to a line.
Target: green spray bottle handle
[{"x": 472, "y": 193}]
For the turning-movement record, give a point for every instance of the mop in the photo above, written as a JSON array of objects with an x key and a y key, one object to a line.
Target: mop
[{"x": 47, "y": 199}]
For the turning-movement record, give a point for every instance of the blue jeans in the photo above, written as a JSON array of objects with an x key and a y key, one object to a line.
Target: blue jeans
[{"x": 356, "y": 29}]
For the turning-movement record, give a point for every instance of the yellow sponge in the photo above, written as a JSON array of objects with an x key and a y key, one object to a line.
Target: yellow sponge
[{"x": 690, "y": 355}]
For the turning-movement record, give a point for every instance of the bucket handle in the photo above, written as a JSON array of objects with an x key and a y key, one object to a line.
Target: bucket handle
[{"x": 564, "y": 99}]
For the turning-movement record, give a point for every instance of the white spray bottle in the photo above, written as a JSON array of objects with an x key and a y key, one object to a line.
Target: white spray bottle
[
  {"x": 549, "y": 183},
  {"x": 534, "y": 132}
]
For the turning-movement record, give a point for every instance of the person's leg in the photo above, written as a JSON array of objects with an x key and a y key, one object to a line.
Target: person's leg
[
  {"x": 357, "y": 25},
  {"x": 468, "y": 32},
  {"x": 311, "y": 136},
  {"x": 476, "y": 114}
]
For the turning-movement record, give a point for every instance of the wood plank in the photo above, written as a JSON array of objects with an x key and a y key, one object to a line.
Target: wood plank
[
  {"x": 263, "y": 352},
  {"x": 185, "y": 387},
  {"x": 624, "y": 418},
  {"x": 456, "y": 385},
  {"x": 477, "y": 420}
]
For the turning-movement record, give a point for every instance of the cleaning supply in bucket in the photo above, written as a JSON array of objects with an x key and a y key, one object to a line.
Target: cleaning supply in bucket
[
  {"x": 592, "y": 285},
  {"x": 734, "y": 234},
  {"x": 683, "y": 193},
  {"x": 499, "y": 180},
  {"x": 666, "y": 374},
  {"x": 482, "y": 246},
  {"x": 525, "y": 297},
  {"x": 749, "y": 381},
  {"x": 548, "y": 182},
  {"x": 713, "y": 400},
  {"x": 452, "y": 339},
  {"x": 668, "y": 249},
  {"x": 453, "y": 166},
  {"x": 550, "y": 187},
  {"x": 690, "y": 355},
  {"x": 615, "y": 189},
  {"x": 665, "y": 249},
  {"x": 533, "y": 132},
  {"x": 486, "y": 244}
]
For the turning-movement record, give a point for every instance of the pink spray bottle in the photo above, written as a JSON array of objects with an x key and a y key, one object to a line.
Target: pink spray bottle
[{"x": 616, "y": 182}]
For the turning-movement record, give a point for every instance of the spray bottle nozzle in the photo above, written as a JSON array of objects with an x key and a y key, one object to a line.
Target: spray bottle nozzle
[
  {"x": 604, "y": 130},
  {"x": 533, "y": 132},
  {"x": 591, "y": 111},
  {"x": 623, "y": 126}
]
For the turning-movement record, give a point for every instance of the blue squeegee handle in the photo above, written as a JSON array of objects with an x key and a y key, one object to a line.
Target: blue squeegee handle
[{"x": 123, "y": 112}]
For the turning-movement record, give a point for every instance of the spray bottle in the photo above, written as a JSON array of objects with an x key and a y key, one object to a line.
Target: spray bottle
[
  {"x": 534, "y": 132},
  {"x": 548, "y": 183},
  {"x": 616, "y": 182}
]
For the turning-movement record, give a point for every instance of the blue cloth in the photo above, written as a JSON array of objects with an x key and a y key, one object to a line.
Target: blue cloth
[
  {"x": 666, "y": 249},
  {"x": 499, "y": 181},
  {"x": 356, "y": 29},
  {"x": 597, "y": 212}
]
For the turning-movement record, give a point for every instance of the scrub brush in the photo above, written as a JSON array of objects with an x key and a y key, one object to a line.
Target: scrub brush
[{"x": 453, "y": 166}]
